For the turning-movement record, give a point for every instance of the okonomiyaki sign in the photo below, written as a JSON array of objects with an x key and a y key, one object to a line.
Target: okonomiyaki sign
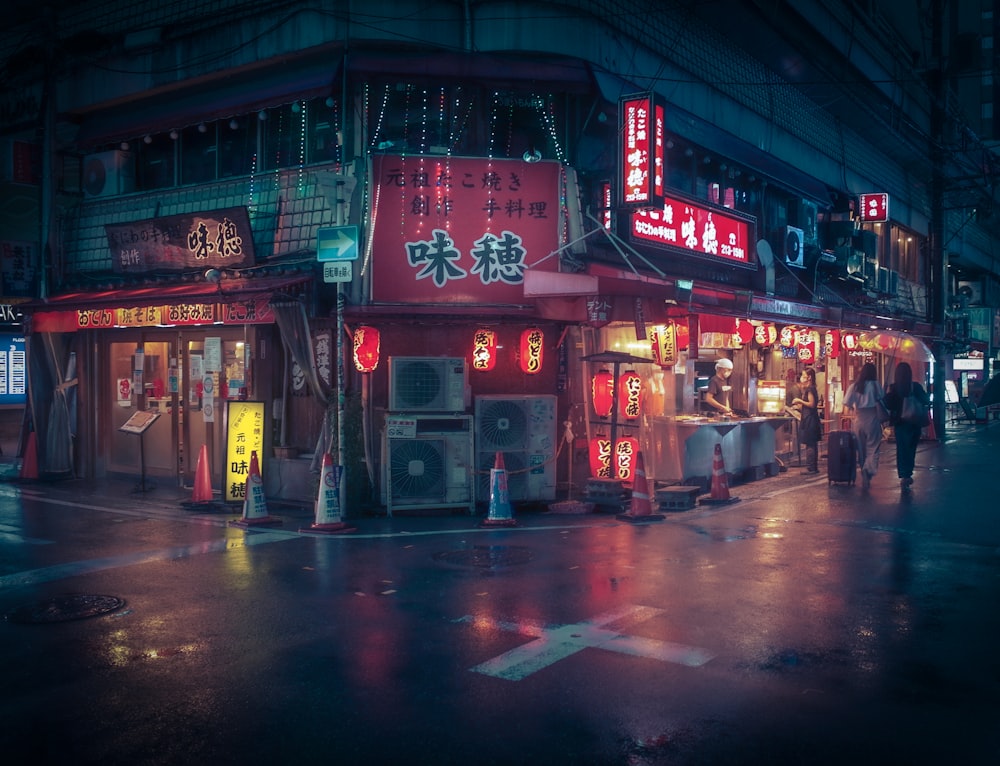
[{"x": 461, "y": 230}]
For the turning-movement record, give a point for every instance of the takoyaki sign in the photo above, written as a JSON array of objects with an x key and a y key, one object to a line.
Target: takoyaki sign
[{"x": 461, "y": 230}]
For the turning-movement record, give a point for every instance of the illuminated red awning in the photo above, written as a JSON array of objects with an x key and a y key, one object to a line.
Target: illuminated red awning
[{"x": 232, "y": 301}]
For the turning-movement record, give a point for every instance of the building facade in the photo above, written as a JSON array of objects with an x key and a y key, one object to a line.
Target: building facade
[{"x": 498, "y": 193}]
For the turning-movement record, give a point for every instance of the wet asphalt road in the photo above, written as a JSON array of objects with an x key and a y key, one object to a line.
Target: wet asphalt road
[{"x": 803, "y": 624}]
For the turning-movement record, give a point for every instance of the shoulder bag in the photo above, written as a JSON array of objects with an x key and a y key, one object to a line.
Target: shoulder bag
[{"x": 914, "y": 412}]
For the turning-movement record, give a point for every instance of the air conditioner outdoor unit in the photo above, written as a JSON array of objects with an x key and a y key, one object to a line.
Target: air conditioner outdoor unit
[
  {"x": 807, "y": 220},
  {"x": 794, "y": 247},
  {"x": 522, "y": 427},
  {"x": 427, "y": 384},
  {"x": 427, "y": 463},
  {"x": 108, "y": 173},
  {"x": 972, "y": 291}
]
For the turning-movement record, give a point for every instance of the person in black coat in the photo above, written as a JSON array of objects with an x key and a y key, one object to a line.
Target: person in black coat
[
  {"x": 809, "y": 425},
  {"x": 907, "y": 430}
]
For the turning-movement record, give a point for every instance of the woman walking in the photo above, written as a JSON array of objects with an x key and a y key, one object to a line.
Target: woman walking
[
  {"x": 809, "y": 425},
  {"x": 863, "y": 397},
  {"x": 907, "y": 420}
]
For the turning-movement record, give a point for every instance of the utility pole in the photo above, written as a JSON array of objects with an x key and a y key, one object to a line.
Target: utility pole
[{"x": 938, "y": 264}]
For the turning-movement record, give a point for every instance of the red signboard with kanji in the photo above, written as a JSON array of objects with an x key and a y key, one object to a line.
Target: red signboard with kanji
[
  {"x": 641, "y": 159},
  {"x": 874, "y": 207},
  {"x": 696, "y": 229},
  {"x": 461, "y": 230}
]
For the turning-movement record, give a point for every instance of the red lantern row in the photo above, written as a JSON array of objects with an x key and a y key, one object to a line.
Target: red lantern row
[
  {"x": 531, "y": 348},
  {"x": 367, "y": 347},
  {"x": 629, "y": 394}
]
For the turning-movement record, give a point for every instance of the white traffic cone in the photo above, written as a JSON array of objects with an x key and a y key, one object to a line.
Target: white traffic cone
[
  {"x": 500, "y": 513},
  {"x": 254, "y": 504},
  {"x": 328, "y": 515}
]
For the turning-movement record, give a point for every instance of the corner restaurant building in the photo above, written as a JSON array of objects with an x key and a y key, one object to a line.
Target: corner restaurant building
[
  {"x": 462, "y": 258},
  {"x": 185, "y": 351}
]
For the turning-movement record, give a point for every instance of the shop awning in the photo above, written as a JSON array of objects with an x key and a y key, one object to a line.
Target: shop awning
[
  {"x": 898, "y": 346},
  {"x": 241, "y": 300}
]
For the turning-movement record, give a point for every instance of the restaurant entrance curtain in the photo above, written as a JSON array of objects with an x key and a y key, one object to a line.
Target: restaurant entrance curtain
[
  {"x": 290, "y": 316},
  {"x": 52, "y": 395}
]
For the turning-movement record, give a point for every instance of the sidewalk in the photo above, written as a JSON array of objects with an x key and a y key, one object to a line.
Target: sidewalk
[{"x": 167, "y": 496}]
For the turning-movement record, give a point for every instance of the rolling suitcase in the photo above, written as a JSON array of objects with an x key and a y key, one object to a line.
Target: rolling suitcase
[{"x": 841, "y": 457}]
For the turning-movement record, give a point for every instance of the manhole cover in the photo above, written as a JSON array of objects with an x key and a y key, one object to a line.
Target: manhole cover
[
  {"x": 487, "y": 556},
  {"x": 64, "y": 609}
]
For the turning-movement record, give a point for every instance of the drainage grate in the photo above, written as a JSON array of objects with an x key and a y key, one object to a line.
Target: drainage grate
[
  {"x": 487, "y": 556},
  {"x": 64, "y": 609}
]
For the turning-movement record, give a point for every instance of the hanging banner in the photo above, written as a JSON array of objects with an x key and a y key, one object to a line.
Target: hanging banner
[
  {"x": 641, "y": 161},
  {"x": 461, "y": 230}
]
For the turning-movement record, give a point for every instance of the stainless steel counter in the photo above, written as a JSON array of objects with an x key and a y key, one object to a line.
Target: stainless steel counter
[{"x": 683, "y": 448}]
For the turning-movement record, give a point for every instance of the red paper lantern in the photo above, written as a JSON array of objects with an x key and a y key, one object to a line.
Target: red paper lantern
[
  {"x": 744, "y": 331},
  {"x": 630, "y": 395},
  {"x": 484, "y": 350},
  {"x": 789, "y": 337},
  {"x": 600, "y": 457},
  {"x": 683, "y": 331},
  {"x": 832, "y": 344},
  {"x": 531, "y": 351},
  {"x": 625, "y": 451},
  {"x": 765, "y": 334},
  {"x": 367, "y": 347},
  {"x": 602, "y": 393},
  {"x": 849, "y": 340}
]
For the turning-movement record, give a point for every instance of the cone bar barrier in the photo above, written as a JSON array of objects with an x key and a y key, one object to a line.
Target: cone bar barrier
[
  {"x": 500, "y": 513},
  {"x": 29, "y": 463},
  {"x": 254, "y": 505},
  {"x": 640, "y": 509},
  {"x": 720, "y": 483},
  {"x": 328, "y": 515}
]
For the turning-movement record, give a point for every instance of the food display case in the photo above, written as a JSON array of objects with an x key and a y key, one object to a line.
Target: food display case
[{"x": 770, "y": 397}]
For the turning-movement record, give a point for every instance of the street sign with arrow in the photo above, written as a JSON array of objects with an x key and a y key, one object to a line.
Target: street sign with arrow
[{"x": 337, "y": 243}]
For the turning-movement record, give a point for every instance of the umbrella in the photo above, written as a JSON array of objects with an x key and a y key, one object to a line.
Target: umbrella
[{"x": 991, "y": 394}]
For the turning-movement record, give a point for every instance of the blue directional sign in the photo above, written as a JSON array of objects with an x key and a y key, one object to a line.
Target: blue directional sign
[{"x": 337, "y": 243}]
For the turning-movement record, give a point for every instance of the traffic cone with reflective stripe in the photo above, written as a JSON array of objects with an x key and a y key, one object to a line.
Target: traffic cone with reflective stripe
[
  {"x": 640, "y": 508},
  {"x": 720, "y": 481},
  {"x": 328, "y": 514},
  {"x": 500, "y": 513},
  {"x": 254, "y": 504}
]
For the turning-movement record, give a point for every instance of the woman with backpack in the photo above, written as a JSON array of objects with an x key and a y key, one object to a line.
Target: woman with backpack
[{"x": 907, "y": 402}]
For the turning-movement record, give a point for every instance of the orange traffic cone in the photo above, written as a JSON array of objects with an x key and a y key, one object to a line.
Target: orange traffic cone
[
  {"x": 640, "y": 509},
  {"x": 328, "y": 516},
  {"x": 500, "y": 513},
  {"x": 254, "y": 505},
  {"x": 720, "y": 482},
  {"x": 202, "y": 478},
  {"x": 29, "y": 463}
]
